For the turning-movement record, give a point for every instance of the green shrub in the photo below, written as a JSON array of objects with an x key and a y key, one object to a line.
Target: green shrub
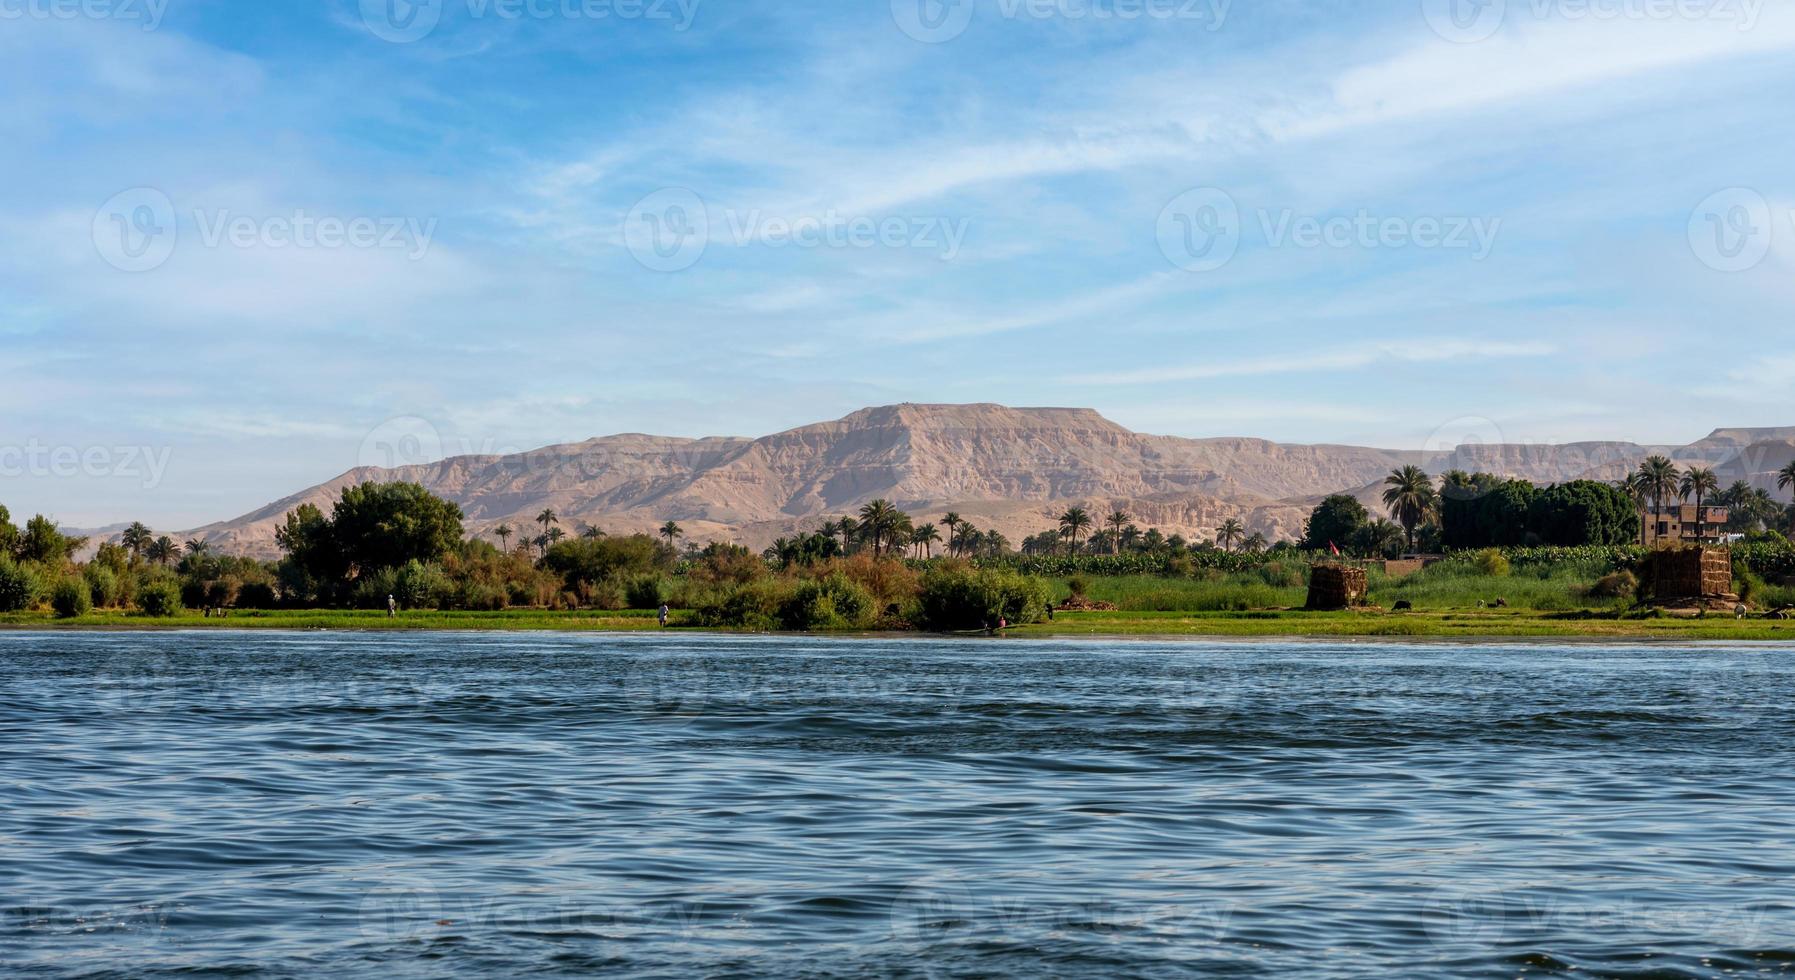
[
  {"x": 482, "y": 597},
  {"x": 962, "y": 598},
  {"x": 832, "y": 602},
  {"x": 20, "y": 586},
  {"x": 102, "y": 583},
  {"x": 159, "y": 597},
  {"x": 751, "y": 605},
  {"x": 71, "y": 597},
  {"x": 257, "y": 595},
  {"x": 646, "y": 592},
  {"x": 1492, "y": 562}
]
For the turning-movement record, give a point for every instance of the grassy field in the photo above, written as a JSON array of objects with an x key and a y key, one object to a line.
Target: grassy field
[{"x": 1450, "y": 599}]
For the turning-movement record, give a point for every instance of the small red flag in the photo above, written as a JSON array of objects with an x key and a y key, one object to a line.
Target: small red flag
[{"x": 1333, "y": 549}]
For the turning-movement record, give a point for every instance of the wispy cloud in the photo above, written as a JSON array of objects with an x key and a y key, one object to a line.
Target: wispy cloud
[{"x": 1352, "y": 358}]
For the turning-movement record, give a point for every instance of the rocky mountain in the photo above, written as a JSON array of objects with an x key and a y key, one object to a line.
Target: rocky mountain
[{"x": 1011, "y": 469}]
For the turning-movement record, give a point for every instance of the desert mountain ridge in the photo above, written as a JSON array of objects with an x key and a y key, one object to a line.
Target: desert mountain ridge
[{"x": 1009, "y": 469}]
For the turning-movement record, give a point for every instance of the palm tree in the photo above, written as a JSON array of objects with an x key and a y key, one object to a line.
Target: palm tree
[
  {"x": 162, "y": 550},
  {"x": 591, "y": 531},
  {"x": 951, "y": 521},
  {"x": 196, "y": 547},
  {"x": 924, "y": 538},
  {"x": 877, "y": 520},
  {"x": 137, "y": 537},
  {"x": 1411, "y": 497},
  {"x": 1633, "y": 485},
  {"x": 849, "y": 528},
  {"x": 1256, "y": 543},
  {"x": 504, "y": 531},
  {"x": 555, "y": 534},
  {"x": 1658, "y": 476},
  {"x": 1785, "y": 477},
  {"x": 1381, "y": 537},
  {"x": 1230, "y": 532},
  {"x": 1117, "y": 520},
  {"x": 1699, "y": 482},
  {"x": 546, "y": 518},
  {"x": 671, "y": 530},
  {"x": 1073, "y": 523}
]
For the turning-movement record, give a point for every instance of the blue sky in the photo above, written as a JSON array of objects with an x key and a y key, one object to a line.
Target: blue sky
[{"x": 259, "y": 243}]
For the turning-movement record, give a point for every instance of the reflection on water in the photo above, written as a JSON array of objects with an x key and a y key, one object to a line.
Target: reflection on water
[{"x": 425, "y": 804}]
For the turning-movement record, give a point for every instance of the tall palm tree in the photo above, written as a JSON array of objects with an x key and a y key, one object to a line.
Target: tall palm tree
[
  {"x": 951, "y": 521},
  {"x": 591, "y": 531},
  {"x": 137, "y": 537},
  {"x": 670, "y": 531},
  {"x": 1256, "y": 543},
  {"x": 849, "y": 529},
  {"x": 1659, "y": 477},
  {"x": 1117, "y": 520},
  {"x": 924, "y": 539},
  {"x": 162, "y": 550},
  {"x": 1700, "y": 482},
  {"x": 504, "y": 531},
  {"x": 1785, "y": 477},
  {"x": 1073, "y": 523},
  {"x": 877, "y": 521},
  {"x": 546, "y": 518},
  {"x": 196, "y": 547},
  {"x": 1230, "y": 532},
  {"x": 1410, "y": 495}
]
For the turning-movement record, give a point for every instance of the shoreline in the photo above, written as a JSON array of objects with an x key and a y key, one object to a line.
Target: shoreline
[{"x": 1448, "y": 625}]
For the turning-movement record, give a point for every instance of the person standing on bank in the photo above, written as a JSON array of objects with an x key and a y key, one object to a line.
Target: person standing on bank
[
  {"x": 392, "y": 607},
  {"x": 662, "y": 614}
]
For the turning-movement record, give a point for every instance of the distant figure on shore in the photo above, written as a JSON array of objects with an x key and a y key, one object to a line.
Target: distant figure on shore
[
  {"x": 662, "y": 615},
  {"x": 1002, "y": 624},
  {"x": 1050, "y": 610},
  {"x": 392, "y": 607}
]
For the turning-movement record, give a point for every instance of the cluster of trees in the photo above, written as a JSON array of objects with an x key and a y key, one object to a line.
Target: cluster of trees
[
  {"x": 1658, "y": 480},
  {"x": 1479, "y": 510},
  {"x": 38, "y": 568}
]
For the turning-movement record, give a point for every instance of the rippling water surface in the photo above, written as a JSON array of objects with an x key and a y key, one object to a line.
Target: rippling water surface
[{"x": 262, "y": 804}]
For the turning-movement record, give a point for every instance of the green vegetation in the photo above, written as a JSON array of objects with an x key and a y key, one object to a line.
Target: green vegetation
[{"x": 1540, "y": 561}]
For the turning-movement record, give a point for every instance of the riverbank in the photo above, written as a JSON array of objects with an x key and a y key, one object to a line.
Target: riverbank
[{"x": 1468, "y": 624}]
